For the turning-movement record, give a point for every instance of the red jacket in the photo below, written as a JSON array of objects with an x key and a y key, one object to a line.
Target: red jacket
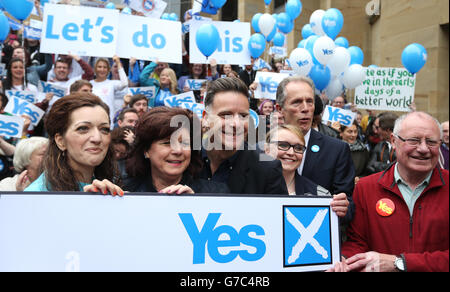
[{"x": 422, "y": 238}]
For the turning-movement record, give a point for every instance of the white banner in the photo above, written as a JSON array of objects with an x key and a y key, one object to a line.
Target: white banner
[
  {"x": 234, "y": 37},
  {"x": 99, "y": 32},
  {"x": 81, "y": 232},
  {"x": 335, "y": 114},
  {"x": 149, "y": 39},
  {"x": 30, "y": 96},
  {"x": 11, "y": 126},
  {"x": 84, "y": 31},
  {"x": 148, "y": 91},
  {"x": 386, "y": 89},
  {"x": 17, "y": 106},
  {"x": 194, "y": 84},
  {"x": 268, "y": 84},
  {"x": 177, "y": 100}
]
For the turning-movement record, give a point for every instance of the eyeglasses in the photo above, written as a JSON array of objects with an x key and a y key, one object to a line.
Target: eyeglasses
[
  {"x": 285, "y": 146},
  {"x": 414, "y": 142}
]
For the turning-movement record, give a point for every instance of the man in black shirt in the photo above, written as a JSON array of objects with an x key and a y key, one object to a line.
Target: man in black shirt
[{"x": 226, "y": 154}]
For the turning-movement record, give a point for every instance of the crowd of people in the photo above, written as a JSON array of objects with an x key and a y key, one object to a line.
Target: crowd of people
[{"x": 85, "y": 142}]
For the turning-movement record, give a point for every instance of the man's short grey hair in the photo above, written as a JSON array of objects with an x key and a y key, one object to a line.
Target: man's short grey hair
[
  {"x": 281, "y": 90},
  {"x": 399, "y": 122},
  {"x": 24, "y": 149}
]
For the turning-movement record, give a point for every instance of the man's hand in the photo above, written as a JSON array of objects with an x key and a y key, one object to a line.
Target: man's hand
[
  {"x": 371, "y": 262},
  {"x": 339, "y": 205}
]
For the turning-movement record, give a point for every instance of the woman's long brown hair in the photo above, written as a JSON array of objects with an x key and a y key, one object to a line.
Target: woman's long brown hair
[{"x": 59, "y": 176}]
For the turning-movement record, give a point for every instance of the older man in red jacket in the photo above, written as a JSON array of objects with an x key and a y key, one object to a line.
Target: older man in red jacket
[{"x": 401, "y": 218}]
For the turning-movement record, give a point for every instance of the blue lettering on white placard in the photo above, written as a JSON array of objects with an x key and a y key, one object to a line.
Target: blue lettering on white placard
[
  {"x": 195, "y": 84},
  {"x": 50, "y": 88},
  {"x": 28, "y": 96},
  {"x": 339, "y": 115},
  {"x": 229, "y": 44},
  {"x": 268, "y": 84},
  {"x": 208, "y": 240},
  {"x": 142, "y": 38},
  {"x": 9, "y": 129},
  {"x": 18, "y": 107},
  {"x": 74, "y": 32},
  {"x": 307, "y": 236},
  {"x": 149, "y": 92}
]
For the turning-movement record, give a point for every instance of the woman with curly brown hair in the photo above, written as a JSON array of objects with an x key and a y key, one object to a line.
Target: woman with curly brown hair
[
  {"x": 164, "y": 159},
  {"x": 79, "y": 157}
]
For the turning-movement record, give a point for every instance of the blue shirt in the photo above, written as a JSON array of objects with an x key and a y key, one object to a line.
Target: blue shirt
[
  {"x": 39, "y": 185},
  {"x": 410, "y": 196}
]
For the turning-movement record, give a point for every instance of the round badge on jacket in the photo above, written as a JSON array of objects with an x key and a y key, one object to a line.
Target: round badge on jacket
[{"x": 385, "y": 207}]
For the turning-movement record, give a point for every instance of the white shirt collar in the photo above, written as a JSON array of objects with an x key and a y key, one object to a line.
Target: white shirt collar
[{"x": 307, "y": 136}]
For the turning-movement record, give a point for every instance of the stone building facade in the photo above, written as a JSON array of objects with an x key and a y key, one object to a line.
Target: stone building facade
[{"x": 382, "y": 35}]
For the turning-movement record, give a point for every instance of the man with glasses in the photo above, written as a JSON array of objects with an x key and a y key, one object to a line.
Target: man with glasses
[
  {"x": 383, "y": 154},
  {"x": 401, "y": 219}
]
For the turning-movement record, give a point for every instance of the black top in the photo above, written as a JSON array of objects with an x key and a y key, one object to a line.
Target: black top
[
  {"x": 145, "y": 185},
  {"x": 251, "y": 172},
  {"x": 305, "y": 187}
]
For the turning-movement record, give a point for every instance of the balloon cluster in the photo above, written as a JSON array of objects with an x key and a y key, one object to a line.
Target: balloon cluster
[
  {"x": 326, "y": 59},
  {"x": 273, "y": 28},
  {"x": 19, "y": 9}
]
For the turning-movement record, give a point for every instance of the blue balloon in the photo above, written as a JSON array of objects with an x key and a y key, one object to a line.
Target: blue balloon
[
  {"x": 19, "y": 9},
  {"x": 321, "y": 76},
  {"x": 110, "y": 5},
  {"x": 255, "y": 22},
  {"x": 278, "y": 39},
  {"x": 4, "y": 27},
  {"x": 414, "y": 57},
  {"x": 293, "y": 8},
  {"x": 310, "y": 47},
  {"x": 307, "y": 31},
  {"x": 173, "y": 16},
  {"x": 236, "y": 20},
  {"x": 357, "y": 55},
  {"x": 126, "y": 10},
  {"x": 267, "y": 2},
  {"x": 283, "y": 22},
  {"x": 257, "y": 45},
  {"x": 207, "y": 39},
  {"x": 218, "y": 3},
  {"x": 332, "y": 22},
  {"x": 272, "y": 34},
  {"x": 341, "y": 42},
  {"x": 165, "y": 16},
  {"x": 302, "y": 44}
]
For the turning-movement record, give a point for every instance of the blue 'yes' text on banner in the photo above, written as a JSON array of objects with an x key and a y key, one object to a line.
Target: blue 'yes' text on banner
[
  {"x": 334, "y": 114},
  {"x": 208, "y": 238},
  {"x": 18, "y": 107}
]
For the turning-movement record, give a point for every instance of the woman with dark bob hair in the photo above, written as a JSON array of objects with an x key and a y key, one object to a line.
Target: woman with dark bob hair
[
  {"x": 164, "y": 159},
  {"x": 79, "y": 156}
]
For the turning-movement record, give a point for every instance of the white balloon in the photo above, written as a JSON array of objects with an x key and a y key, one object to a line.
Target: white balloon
[
  {"x": 324, "y": 49},
  {"x": 334, "y": 89},
  {"x": 353, "y": 76},
  {"x": 301, "y": 61},
  {"x": 316, "y": 22},
  {"x": 340, "y": 61},
  {"x": 266, "y": 24}
]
